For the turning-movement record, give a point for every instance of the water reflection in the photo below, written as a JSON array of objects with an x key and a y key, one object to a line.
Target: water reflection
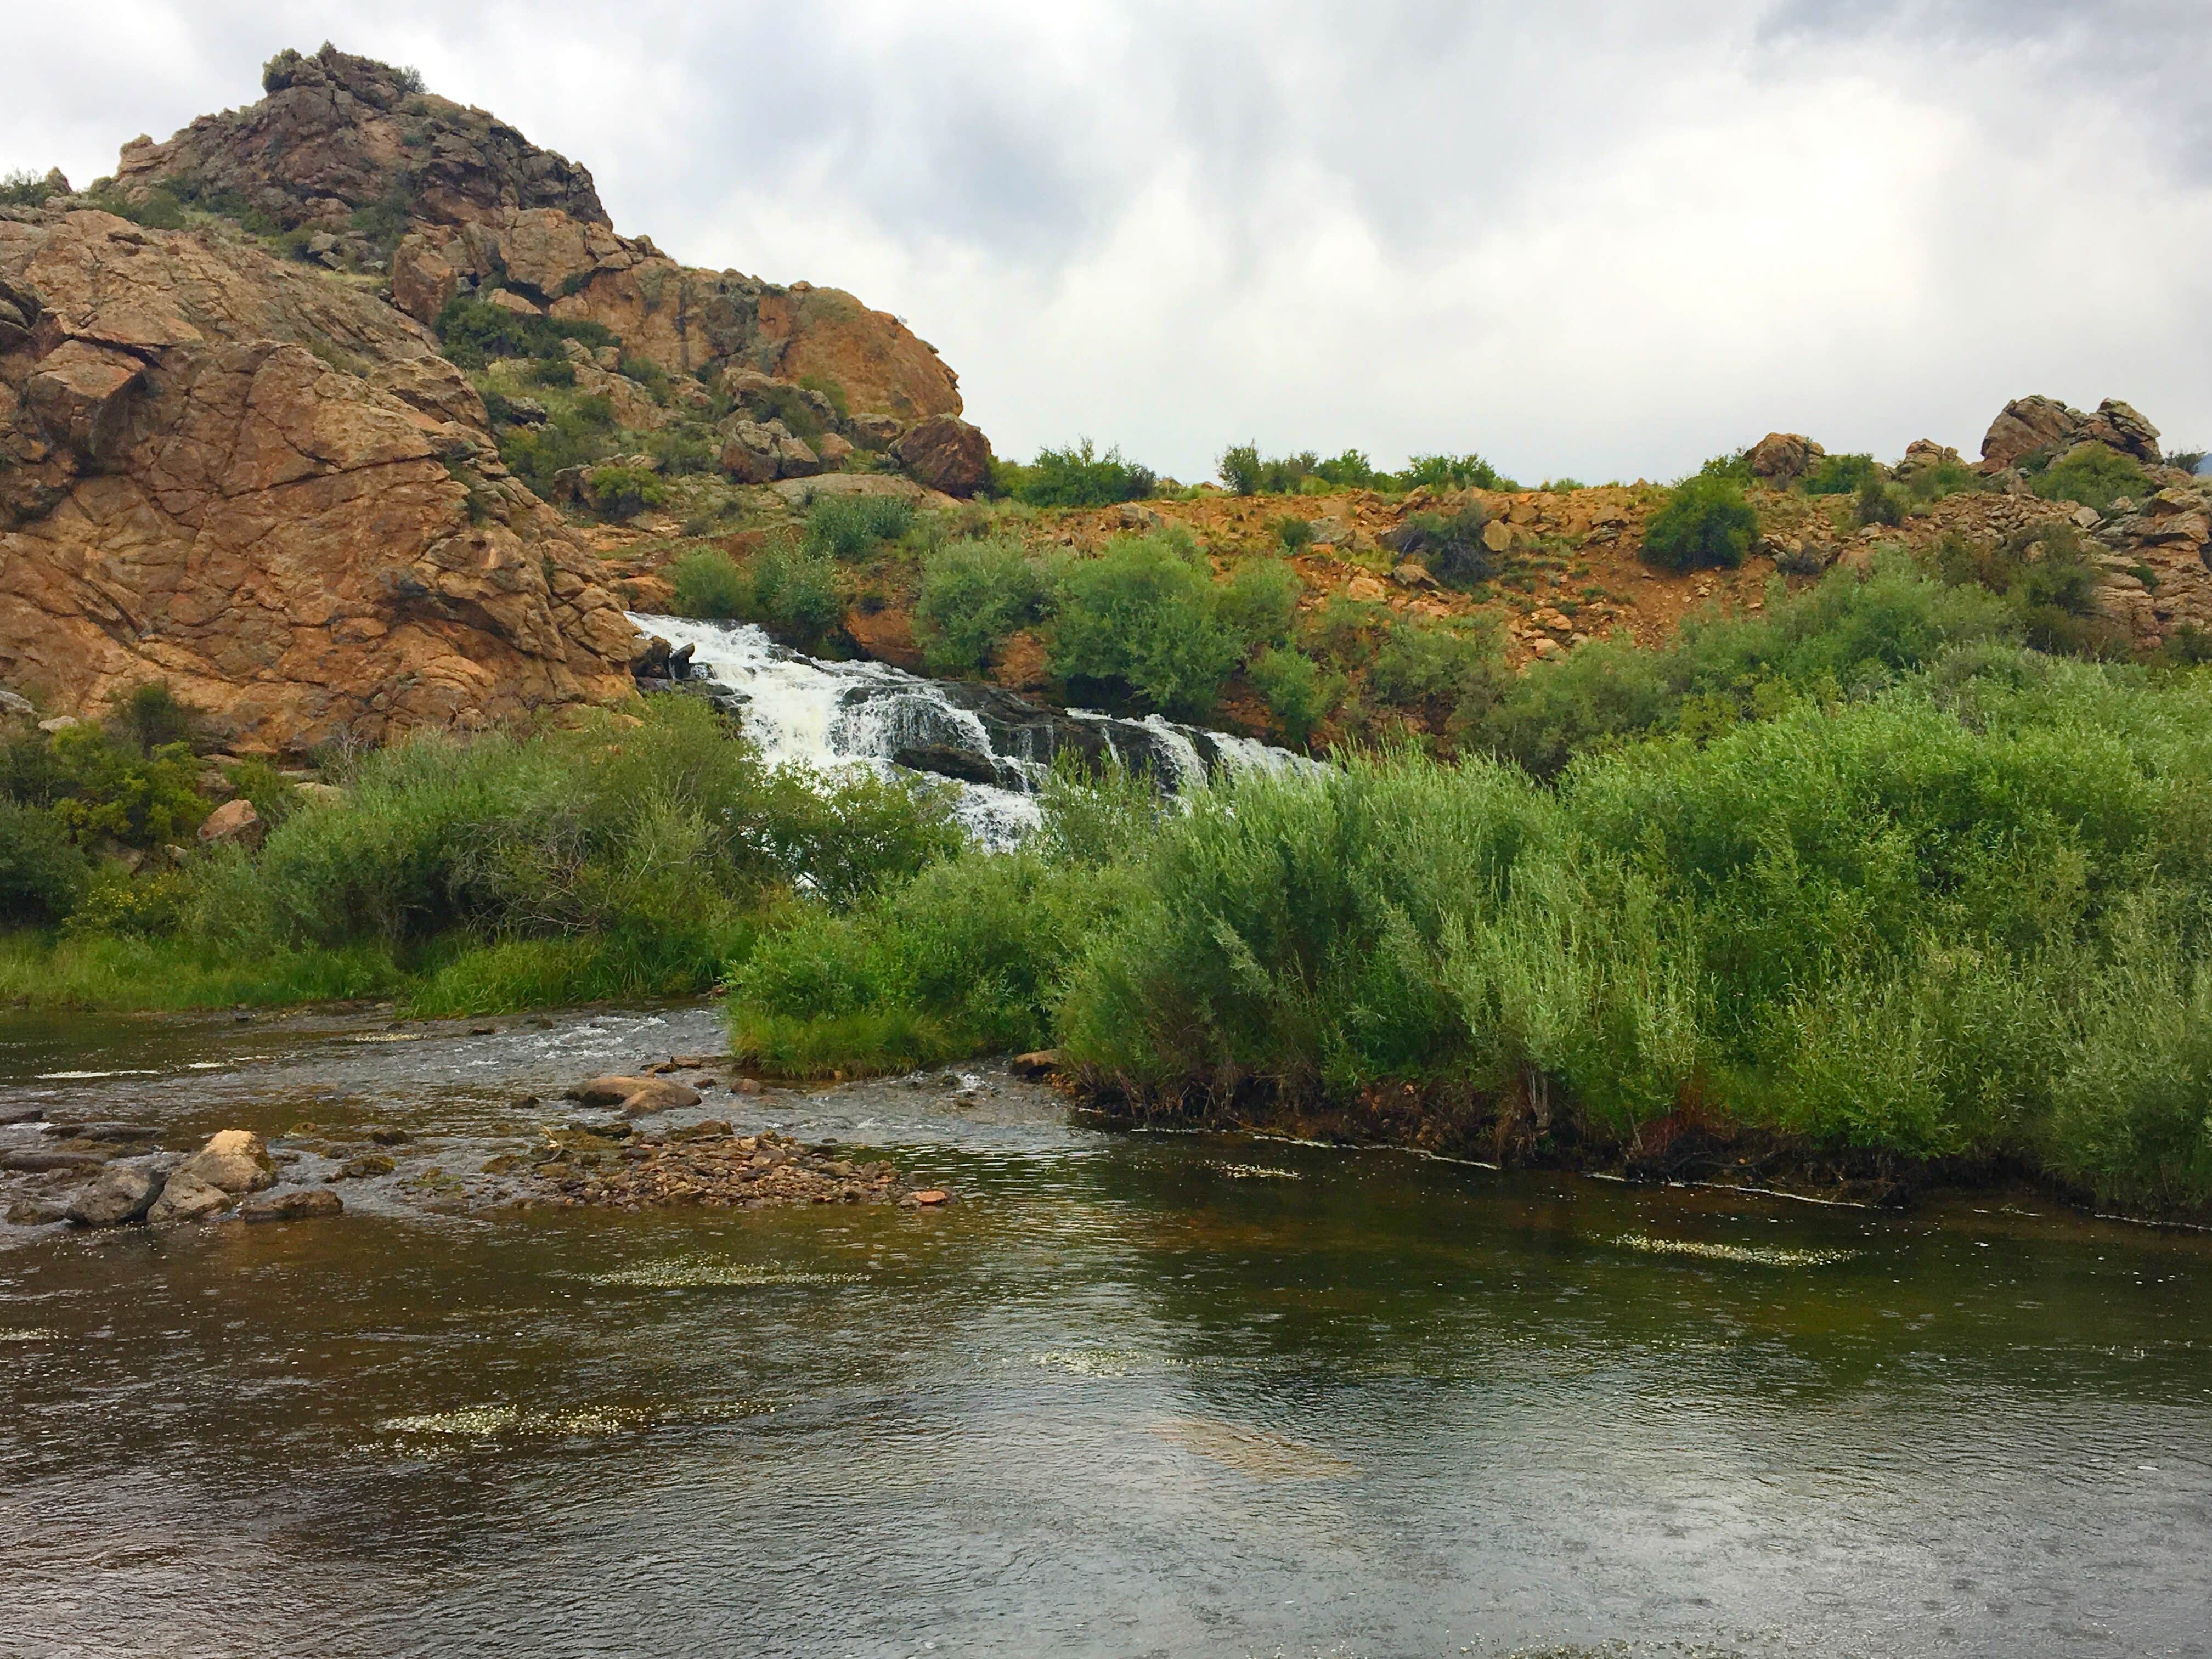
[{"x": 1129, "y": 1396}]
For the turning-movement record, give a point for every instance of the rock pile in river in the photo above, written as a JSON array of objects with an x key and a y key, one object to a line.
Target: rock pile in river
[{"x": 709, "y": 1165}]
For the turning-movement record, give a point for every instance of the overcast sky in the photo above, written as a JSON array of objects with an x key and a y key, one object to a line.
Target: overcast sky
[{"x": 1597, "y": 238}]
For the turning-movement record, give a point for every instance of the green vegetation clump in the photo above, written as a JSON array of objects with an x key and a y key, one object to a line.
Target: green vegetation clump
[
  {"x": 1247, "y": 472},
  {"x": 789, "y": 591},
  {"x": 1449, "y": 547},
  {"x": 24, "y": 188},
  {"x": 459, "y": 874},
  {"x": 1955, "y": 917},
  {"x": 1705, "y": 522},
  {"x": 1145, "y": 622},
  {"x": 2094, "y": 475},
  {"x": 624, "y": 492},
  {"x": 1077, "y": 476},
  {"x": 1842, "y": 475},
  {"x": 473, "y": 332},
  {"x": 850, "y": 527},
  {"x": 974, "y": 595}
]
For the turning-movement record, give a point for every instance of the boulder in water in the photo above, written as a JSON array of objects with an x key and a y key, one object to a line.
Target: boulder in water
[
  {"x": 187, "y": 1197},
  {"x": 233, "y": 1160},
  {"x": 121, "y": 1194},
  {"x": 293, "y": 1204}
]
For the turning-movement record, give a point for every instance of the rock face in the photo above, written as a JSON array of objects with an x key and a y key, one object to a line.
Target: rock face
[
  {"x": 2032, "y": 425},
  {"x": 192, "y": 489},
  {"x": 947, "y": 455},
  {"x": 338, "y": 134},
  {"x": 553, "y": 263}
]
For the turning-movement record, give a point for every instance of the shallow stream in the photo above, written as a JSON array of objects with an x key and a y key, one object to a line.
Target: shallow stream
[{"x": 1128, "y": 1395}]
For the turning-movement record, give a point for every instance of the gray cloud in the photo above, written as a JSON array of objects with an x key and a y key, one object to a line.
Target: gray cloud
[{"x": 1591, "y": 238}]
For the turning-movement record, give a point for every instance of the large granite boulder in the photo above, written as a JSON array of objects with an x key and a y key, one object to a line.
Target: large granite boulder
[{"x": 193, "y": 490}]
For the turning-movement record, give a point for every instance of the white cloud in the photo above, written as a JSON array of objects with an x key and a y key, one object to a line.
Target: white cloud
[{"x": 1597, "y": 238}]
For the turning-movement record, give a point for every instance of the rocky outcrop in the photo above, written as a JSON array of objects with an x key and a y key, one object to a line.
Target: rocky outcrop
[
  {"x": 2032, "y": 427},
  {"x": 946, "y": 455},
  {"x": 551, "y": 262},
  {"x": 1781, "y": 458},
  {"x": 262, "y": 486},
  {"x": 339, "y": 135}
]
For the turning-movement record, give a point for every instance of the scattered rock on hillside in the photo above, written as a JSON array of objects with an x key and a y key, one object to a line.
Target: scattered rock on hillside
[
  {"x": 947, "y": 455},
  {"x": 234, "y": 821},
  {"x": 1781, "y": 458}
]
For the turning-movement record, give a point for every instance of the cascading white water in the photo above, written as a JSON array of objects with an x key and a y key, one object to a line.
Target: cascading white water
[{"x": 806, "y": 712}]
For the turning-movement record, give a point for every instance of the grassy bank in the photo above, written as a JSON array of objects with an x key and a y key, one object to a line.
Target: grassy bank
[
  {"x": 627, "y": 858},
  {"x": 1938, "y": 901}
]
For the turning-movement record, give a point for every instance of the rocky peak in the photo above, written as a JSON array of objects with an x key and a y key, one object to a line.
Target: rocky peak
[
  {"x": 339, "y": 137},
  {"x": 2036, "y": 425}
]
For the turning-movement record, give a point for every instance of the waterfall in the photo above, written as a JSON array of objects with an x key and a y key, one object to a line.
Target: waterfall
[{"x": 994, "y": 747}]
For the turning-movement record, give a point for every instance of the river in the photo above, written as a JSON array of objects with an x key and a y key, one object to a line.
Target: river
[{"x": 1129, "y": 1394}]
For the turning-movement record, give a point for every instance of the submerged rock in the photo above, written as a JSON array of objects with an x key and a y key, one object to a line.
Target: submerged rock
[{"x": 293, "y": 1204}]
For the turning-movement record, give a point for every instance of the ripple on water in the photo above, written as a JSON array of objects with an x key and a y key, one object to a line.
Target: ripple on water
[
  {"x": 489, "y": 1422},
  {"x": 1758, "y": 1256},
  {"x": 693, "y": 1272},
  {"x": 1256, "y": 1452}
]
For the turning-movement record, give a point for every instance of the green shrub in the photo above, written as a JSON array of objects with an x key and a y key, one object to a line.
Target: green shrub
[
  {"x": 1246, "y": 473},
  {"x": 2094, "y": 475},
  {"x": 1878, "y": 503},
  {"x": 849, "y": 527},
  {"x": 1297, "y": 692},
  {"x": 624, "y": 492},
  {"x": 1450, "y": 548},
  {"x": 1141, "y": 621},
  {"x": 1433, "y": 672},
  {"x": 1259, "y": 603},
  {"x": 1705, "y": 521},
  {"x": 1441, "y": 472},
  {"x": 1943, "y": 478},
  {"x": 1077, "y": 476},
  {"x": 41, "y": 870},
  {"x": 973, "y": 594},
  {"x": 114, "y": 792},
  {"x": 1295, "y": 534},
  {"x": 708, "y": 582},
  {"x": 788, "y": 590},
  {"x": 553, "y": 371},
  {"x": 150, "y": 717},
  {"x": 1842, "y": 475},
  {"x": 24, "y": 188},
  {"x": 473, "y": 332}
]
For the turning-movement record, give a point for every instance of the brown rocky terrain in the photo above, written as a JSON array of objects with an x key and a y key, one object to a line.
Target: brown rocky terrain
[
  {"x": 266, "y": 487},
  {"x": 232, "y": 457},
  {"x": 338, "y": 134}
]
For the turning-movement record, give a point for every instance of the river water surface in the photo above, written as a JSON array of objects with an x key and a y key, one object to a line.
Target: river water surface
[{"x": 1128, "y": 1395}]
